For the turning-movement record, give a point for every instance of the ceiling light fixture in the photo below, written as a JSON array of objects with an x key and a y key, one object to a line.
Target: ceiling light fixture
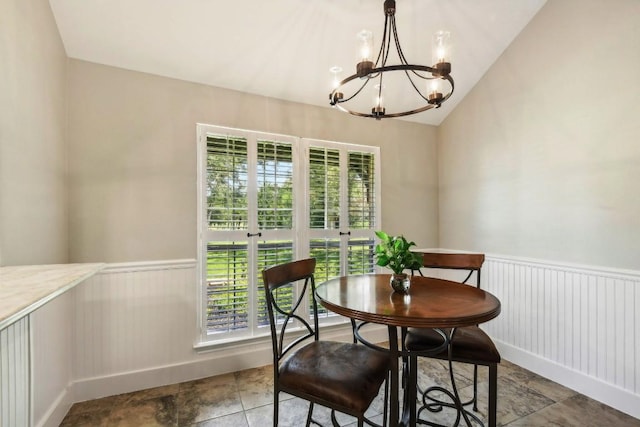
[{"x": 432, "y": 78}]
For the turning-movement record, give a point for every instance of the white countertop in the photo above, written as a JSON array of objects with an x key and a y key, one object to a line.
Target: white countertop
[{"x": 23, "y": 289}]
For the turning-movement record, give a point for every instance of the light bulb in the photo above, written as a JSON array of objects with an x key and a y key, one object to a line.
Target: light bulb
[
  {"x": 435, "y": 92},
  {"x": 441, "y": 53},
  {"x": 365, "y": 46},
  {"x": 365, "y": 53},
  {"x": 441, "y": 47},
  {"x": 335, "y": 96},
  {"x": 336, "y": 72},
  {"x": 378, "y": 100}
]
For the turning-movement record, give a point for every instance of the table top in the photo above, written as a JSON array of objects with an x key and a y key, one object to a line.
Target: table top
[
  {"x": 430, "y": 302},
  {"x": 24, "y": 289}
]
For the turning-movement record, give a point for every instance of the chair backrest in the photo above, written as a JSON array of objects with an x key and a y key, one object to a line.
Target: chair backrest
[
  {"x": 471, "y": 262},
  {"x": 283, "y": 301}
]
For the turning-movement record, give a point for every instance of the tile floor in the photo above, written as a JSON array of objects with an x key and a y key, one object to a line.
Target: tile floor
[{"x": 244, "y": 399}]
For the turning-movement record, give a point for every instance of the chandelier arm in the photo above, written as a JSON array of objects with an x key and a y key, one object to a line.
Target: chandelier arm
[
  {"x": 386, "y": 116},
  {"x": 357, "y": 92},
  {"x": 387, "y": 38},
  {"x": 396, "y": 39},
  {"x": 403, "y": 59},
  {"x": 402, "y": 67},
  {"x": 413, "y": 84},
  {"x": 342, "y": 83},
  {"x": 383, "y": 44},
  {"x": 450, "y": 80},
  {"x": 380, "y": 71},
  {"x": 376, "y": 71}
]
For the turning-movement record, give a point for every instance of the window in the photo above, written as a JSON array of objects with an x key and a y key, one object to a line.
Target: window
[{"x": 266, "y": 199}]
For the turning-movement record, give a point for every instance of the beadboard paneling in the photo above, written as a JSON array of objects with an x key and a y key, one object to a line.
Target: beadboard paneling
[
  {"x": 51, "y": 355},
  {"x": 14, "y": 374},
  {"x": 133, "y": 317},
  {"x": 135, "y": 327},
  {"x": 579, "y": 326}
]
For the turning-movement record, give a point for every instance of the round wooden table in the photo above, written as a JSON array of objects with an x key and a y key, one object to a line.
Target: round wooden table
[{"x": 430, "y": 303}]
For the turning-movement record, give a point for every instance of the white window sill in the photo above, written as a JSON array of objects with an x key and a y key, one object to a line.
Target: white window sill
[{"x": 336, "y": 330}]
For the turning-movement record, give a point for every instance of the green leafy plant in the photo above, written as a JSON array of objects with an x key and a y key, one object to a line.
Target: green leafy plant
[{"x": 393, "y": 252}]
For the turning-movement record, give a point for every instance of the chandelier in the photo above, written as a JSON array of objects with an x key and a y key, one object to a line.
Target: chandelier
[{"x": 428, "y": 82}]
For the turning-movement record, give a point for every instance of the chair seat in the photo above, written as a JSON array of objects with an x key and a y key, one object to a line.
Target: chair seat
[
  {"x": 346, "y": 375},
  {"x": 470, "y": 344}
]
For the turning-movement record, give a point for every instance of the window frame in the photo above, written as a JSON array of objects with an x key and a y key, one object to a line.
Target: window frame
[{"x": 300, "y": 232}]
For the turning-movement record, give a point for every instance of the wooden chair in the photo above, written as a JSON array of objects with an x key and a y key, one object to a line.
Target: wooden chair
[
  {"x": 344, "y": 377},
  {"x": 469, "y": 344}
]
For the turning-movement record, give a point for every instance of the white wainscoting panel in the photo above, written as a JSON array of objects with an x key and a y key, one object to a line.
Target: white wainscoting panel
[
  {"x": 136, "y": 327},
  {"x": 579, "y": 326},
  {"x": 51, "y": 355},
  {"x": 14, "y": 374},
  {"x": 133, "y": 317}
]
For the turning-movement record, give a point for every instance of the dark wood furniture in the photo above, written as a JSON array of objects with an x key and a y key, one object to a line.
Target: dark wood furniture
[
  {"x": 431, "y": 303},
  {"x": 344, "y": 377},
  {"x": 469, "y": 344}
]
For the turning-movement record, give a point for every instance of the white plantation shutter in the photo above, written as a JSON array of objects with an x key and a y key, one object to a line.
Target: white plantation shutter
[
  {"x": 343, "y": 211},
  {"x": 226, "y": 183},
  {"x": 362, "y": 196},
  {"x": 270, "y": 254},
  {"x": 324, "y": 188},
  {"x": 267, "y": 199},
  {"x": 275, "y": 185},
  {"x": 362, "y": 211},
  {"x": 360, "y": 256},
  {"x": 227, "y": 287}
]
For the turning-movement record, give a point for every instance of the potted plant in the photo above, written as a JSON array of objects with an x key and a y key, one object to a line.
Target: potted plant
[{"x": 393, "y": 252}]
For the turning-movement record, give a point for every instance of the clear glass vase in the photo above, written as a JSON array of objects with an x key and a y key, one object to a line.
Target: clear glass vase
[{"x": 400, "y": 282}]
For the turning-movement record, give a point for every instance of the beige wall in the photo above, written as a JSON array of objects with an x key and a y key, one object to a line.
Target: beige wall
[
  {"x": 33, "y": 167},
  {"x": 132, "y": 150},
  {"x": 542, "y": 158},
  {"x": 33, "y": 216}
]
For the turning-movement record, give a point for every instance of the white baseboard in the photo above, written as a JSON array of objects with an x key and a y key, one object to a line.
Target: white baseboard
[
  {"x": 57, "y": 411},
  {"x": 604, "y": 392}
]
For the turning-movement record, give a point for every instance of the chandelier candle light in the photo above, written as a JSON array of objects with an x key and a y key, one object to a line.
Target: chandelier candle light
[{"x": 427, "y": 81}]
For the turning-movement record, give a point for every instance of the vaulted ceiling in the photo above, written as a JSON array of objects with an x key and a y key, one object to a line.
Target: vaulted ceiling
[{"x": 283, "y": 48}]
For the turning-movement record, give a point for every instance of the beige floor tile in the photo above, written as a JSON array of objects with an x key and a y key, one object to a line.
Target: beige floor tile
[
  {"x": 151, "y": 393},
  {"x": 577, "y": 410},
  {"x": 208, "y": 398},
  {"x": 245, "y": 399},
  {"x": 105, "y": 403},
  {"x": 159, "y": 411},
  {"x": 292, "y": 413},
  {"x": 256, "y": 387},
  {"x": 86, "y": 419},
  {"x": 239, "y": 419}
]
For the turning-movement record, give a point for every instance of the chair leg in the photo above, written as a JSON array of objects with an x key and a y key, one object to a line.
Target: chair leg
[
  {"x": 310, "y": 414},
  {"x": 385, "y": 411},
  {"x": 275, "y": 408},
  {"x": 334, "y": 421},
  {"x": 475, "y": 388},
  {"x": 353, "y": 330},
  {"x": 493, "y": 394}
]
